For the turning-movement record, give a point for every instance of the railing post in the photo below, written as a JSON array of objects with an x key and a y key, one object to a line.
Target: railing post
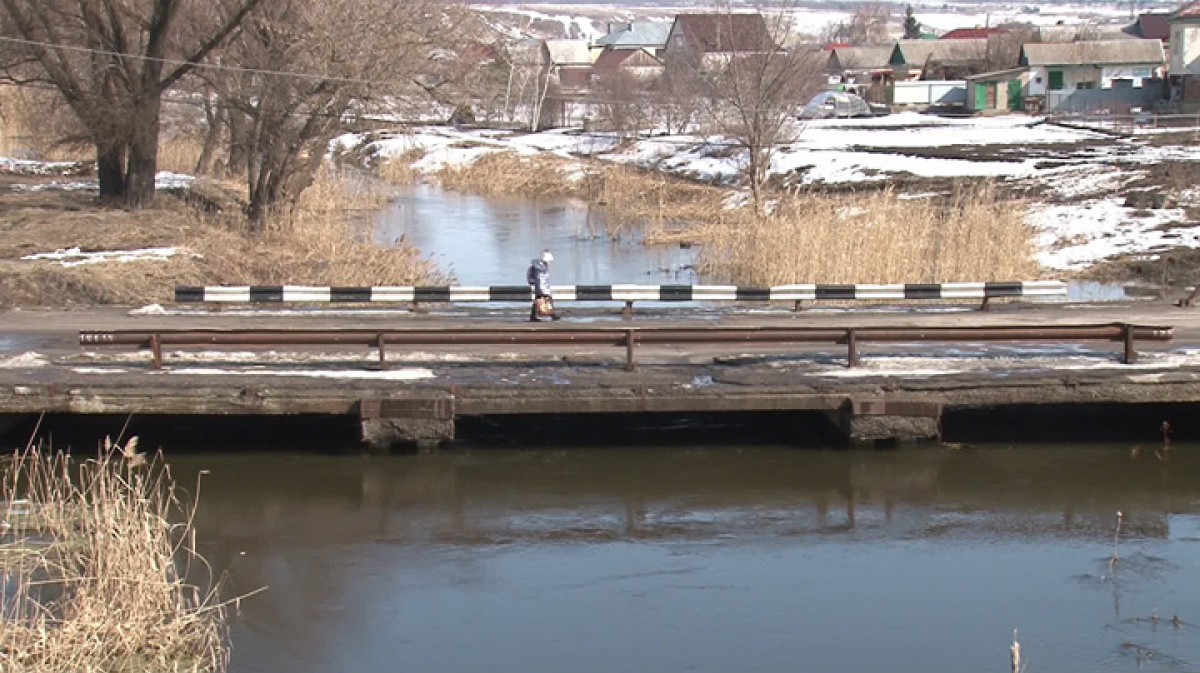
[
  {"x": 627, "y": 312},
  {"x": 1130, "y": 349},
  {"x": 851, "y": 348},
  {"x": 382, "y": 343},
  {"x": 983, "y": 306},
  {"x": 630, "y": 340},
  {"x": 156, "y": 351}
]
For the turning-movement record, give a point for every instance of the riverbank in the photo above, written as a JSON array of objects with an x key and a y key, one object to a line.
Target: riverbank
[
  {"x": 1094, "y": 205},
  {"x": 61, "y": 248}
]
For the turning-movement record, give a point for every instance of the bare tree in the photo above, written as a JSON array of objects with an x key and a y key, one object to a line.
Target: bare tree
[
  {"x": 306, "y": 69},
  {"x": 868, "y": 25},
  {"x": 112, "y": 60},
  {"x": 755, "y": 90},
  {"x": 1004, "y": 49},
  {"x": 619, "y": 101}
]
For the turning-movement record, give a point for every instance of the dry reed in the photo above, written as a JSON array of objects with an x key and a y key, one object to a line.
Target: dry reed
[
  {"x": 180, "y": 153},
  {"x": 96, "y": 556},
  {"x": 875, "y": 238}
]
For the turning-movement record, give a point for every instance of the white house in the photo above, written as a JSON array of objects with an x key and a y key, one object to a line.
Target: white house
[
  {"x": 1103, "y": 64},
  {"x": 1185, "y": 40}
]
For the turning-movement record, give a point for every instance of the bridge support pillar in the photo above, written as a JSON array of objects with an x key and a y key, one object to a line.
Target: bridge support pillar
[
  {"x": 875, "y": 422},
  {"x": 406, "y": 423}
]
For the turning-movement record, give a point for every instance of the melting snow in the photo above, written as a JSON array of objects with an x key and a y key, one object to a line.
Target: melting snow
[
  {"x": 24, "y": 361},
  {"x": 75, "y": 257}
]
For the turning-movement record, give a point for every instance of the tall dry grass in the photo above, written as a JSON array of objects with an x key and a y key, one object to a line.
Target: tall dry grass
[
  {"x": 33, "y": 120},
  {"x": 95, "y": 555},
  {"x": 974, "y": 235},
  {"x": 179, "y": 153},
  {"x": 326, "y": 238}
]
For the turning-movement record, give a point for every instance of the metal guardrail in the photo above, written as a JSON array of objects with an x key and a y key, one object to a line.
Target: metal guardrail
[
  {"x": 798, "y": 293},
  {"x": 628, "y": 337}
]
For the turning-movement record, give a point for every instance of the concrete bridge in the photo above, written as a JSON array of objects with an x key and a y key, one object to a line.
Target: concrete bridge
[{"x": 903, "y": 392}]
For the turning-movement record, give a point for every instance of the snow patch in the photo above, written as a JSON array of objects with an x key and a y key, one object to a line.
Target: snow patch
[
  {"x": 69, "y": 257},
  {"x": 27, "y": 360}
]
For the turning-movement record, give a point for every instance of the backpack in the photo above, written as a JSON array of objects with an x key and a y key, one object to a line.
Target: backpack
[{"x": 531, "y": 275}]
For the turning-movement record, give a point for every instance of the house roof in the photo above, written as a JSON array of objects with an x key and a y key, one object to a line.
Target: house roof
[
  {"x": 611, "y": 60},
  {"x": 1153, "y": 27},
  {"x": 568, "y": 52},
  {"x": 1188, "y": 12},
  {"x": 1106, "y": 52},
  {"x": 860, "y": 58},
  {"x": 638, "y": 34},
  {"x": 920, "y": 52},
  {"x": 725, "y": 32},
  {"x": 972, "y": 33}
]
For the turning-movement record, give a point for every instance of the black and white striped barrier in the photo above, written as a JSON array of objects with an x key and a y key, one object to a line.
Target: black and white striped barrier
[{"x": 626, "y": 293}]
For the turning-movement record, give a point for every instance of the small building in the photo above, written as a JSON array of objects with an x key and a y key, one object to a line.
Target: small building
[
  {"x": 859, "y": 65},
  {"x": 1094, "y": 75},
  {"x": 938, "y": 59},
  {"x": 1000, "y": 91}
]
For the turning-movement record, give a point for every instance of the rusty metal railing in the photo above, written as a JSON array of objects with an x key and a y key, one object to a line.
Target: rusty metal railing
[{"x": 628, "y": 337}]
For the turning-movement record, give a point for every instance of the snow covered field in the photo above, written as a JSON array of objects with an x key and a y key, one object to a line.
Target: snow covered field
[{"x": 588, "y": 20}]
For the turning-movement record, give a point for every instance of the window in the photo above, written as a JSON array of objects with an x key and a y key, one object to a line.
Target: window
[
  {"x": 1056, "y": 80},
  {"x": 1084, "y": 85}
]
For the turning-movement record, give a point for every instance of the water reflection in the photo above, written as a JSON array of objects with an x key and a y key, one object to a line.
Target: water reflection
[
  {"x": 709, "y": 560},
  {"x": 490, "y": 240}
]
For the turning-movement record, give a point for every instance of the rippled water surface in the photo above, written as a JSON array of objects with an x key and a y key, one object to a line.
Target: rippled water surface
[
  {"x": 713, "y": 559},
  {"x": 490, "y": 240}
]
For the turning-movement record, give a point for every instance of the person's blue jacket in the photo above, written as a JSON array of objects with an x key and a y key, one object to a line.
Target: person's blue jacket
[{"x": 538, "y": 276}]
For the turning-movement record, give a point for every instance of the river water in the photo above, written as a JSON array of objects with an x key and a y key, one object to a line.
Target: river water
[
  {"x": 703, "y": 559},
  {"x": 490, "y": 240}
]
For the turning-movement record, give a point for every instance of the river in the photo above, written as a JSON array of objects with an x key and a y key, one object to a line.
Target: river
[
  {"x": 490, "y": 240},
  {"x": 732, "y": 558}
]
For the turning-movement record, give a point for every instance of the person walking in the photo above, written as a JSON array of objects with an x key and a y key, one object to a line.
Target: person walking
[{"x": 538, "y": 277}]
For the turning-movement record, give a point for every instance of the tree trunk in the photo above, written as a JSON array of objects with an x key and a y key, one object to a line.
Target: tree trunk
[
  {"x": 110, "y": 170},
  {"x": 239, "y": 142},
  {"x": 215, "y": 116},
  {"x": 143, "y": 154}
]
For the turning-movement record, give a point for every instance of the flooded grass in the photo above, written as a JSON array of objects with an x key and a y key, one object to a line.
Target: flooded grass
[
  {"x": 94, "y": 559},
  {"x": 974, "y": 234}
]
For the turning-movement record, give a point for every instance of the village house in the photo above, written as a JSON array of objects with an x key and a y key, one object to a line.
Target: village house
[
  {"x": 1095, "y": 75},
  {"x": 1185, "y": 57},
  {"x": 938, "y": 59},
  {"x": 859, "y": 70},
  {"x": 715, "y": 38}
]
